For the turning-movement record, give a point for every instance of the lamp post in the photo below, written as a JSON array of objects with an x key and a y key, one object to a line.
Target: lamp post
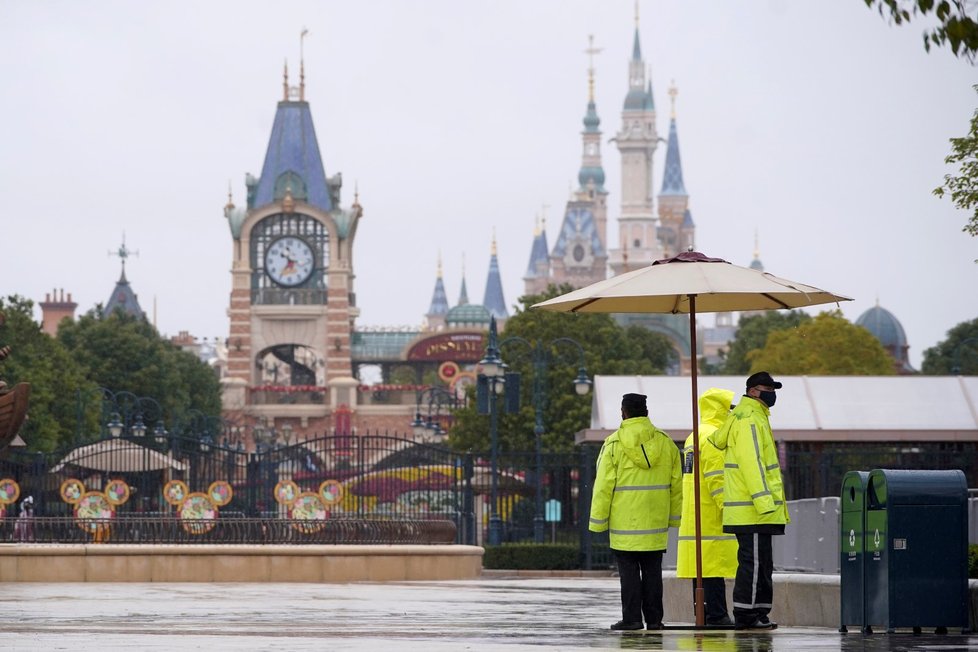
[
  {"x": 956, "y": 358},
  {"x": 125, "y": 414},
  {"x": 542, "y": 357},
  {"x": 429, "y": 429},
  {"x": 490, "y": 383}
]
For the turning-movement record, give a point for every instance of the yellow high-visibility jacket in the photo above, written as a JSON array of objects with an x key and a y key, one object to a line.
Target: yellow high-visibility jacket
[
  {"x": 753, "y": 489},
  {"x": 638, "y": 491},
  {"x": 718, "y": 550}
]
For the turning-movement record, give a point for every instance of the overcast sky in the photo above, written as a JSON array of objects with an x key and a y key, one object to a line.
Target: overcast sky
[{"x": 815, "y": 124}]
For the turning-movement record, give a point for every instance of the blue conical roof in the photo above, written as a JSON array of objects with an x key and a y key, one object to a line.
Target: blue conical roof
[
  {"x": 124, "y": 299},
  {"x": 672, "y": 176},
  {"x": 636, "y": 48},
  {"x": 539, "y": 256},
  {"x": 439, "y": 300},
  {"x": 493, "y": 300},
  {"x": 463, "y": 294},
  {"x": 293, "y": 160}
]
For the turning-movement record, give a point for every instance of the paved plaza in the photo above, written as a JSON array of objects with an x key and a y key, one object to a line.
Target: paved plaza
[{"x": 488, "y": 614}]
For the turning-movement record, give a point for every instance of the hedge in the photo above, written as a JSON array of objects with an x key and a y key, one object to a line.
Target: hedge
[
  {"x": 532, "y": 556},
  {"x": 973, "y": 560}
]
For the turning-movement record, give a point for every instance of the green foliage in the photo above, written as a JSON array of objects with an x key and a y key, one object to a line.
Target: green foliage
[
  {"x": 56, "y": 378},
  {"x": 752, "y": 334},
  {"x": 124, "y": 353},
  {"x": 955, "y": 27},
  {"x": 960, "y": 350},
  {"x": 829, "y": 345},
  {"x": 963, "y": 186},
  {"x": 532, "y": 556},
  {"x": 973, "y": 560},
  {"x": 608, "y": 348}
]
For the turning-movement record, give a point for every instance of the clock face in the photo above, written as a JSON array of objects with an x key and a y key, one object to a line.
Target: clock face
[{"x": 289, "y": 261}]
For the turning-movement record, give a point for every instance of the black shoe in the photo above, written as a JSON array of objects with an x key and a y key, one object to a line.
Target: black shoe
[
  {"x": 759, "y": 623},
  {"x": 659, "y": 626},
  {"x": 622, "y": 625},
  {"x": 719, "y": 622}
]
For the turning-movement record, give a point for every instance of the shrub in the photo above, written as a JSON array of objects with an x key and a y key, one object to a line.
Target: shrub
[
  {"x": 532, "y": 556},
  {"x": 973, "y": 560}
]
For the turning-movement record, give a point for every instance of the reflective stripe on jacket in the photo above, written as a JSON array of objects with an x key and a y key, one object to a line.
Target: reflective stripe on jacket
[
  {"x": 638, "y": 487},
  {"x": 753, "y": 489},
  {"x": 718, "y": 550}
]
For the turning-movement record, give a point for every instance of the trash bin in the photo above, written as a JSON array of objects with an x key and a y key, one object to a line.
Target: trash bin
[
  {"x": 916, "y": 550},
  {"x": 852, "y": 525}
]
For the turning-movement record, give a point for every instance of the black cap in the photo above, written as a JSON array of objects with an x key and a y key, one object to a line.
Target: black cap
[
  {"x": 634, "y": 405},
  {"x": 762, "y": 378}
]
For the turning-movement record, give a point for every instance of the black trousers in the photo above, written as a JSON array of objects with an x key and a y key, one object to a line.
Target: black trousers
[
  {"x": 714, "y": 598},
  {"x": 753, "y": 588},
  {"x": 640, "y": 574}
]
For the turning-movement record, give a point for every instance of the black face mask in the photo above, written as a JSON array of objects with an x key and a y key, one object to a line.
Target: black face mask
[{"x": 769, "y": 398}]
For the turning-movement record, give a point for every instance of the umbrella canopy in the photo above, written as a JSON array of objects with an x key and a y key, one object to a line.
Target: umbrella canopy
[
  {"x": 666, "y": 286},
  {"x": 689, "y": 283},
  {"x": 119, "y": 456}
]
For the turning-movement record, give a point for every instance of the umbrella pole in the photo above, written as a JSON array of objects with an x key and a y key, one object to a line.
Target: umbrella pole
[{"x": 699, "y": 597}]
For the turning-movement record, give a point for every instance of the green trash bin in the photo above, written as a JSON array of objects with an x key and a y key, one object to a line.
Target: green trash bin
[
  {"x": 852, "y": 525},
  {"x": 916, "y": 550}
]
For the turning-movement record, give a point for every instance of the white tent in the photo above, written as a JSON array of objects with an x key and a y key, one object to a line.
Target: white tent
[{"x": 120, "y": 456}]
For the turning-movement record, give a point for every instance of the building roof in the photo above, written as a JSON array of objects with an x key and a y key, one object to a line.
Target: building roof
[
  {"x": 293, "y": 160},
  {"x": 124, "y": 299},
  {"x": 810, "y": 408},
  {"x": 578, "y": 219},
  {"x": 470, "y": 314},
  {"x": 539, "y": 256},
  {"x": 439, "y": 300},
  {"x": 672, "y": 175},
  {"x": 884, "y": 326},
  {"x": 493, "y": 299}
]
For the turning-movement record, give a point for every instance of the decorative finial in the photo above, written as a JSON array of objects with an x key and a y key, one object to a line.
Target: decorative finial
[
  {"x": 590, "y": 52},
  {"x": 439, "y": 263},
  {"x": 230, "y": 203},
  {"x": 536, "y": 226},
  {"x": 358, "y": 209},
  {"x": 636, "y": 14},
  {"x": 673, "y": 92},
  {"x": 302, "y": 66},
  {"x": 123, "y": 252},
  {"x": 757, "y": 249},
  {"x": 285, "y": 82},
  {"x": 463, "y": 266},
  {"x": 493, "y": 250},
  {"x": 288, "y": 202}
]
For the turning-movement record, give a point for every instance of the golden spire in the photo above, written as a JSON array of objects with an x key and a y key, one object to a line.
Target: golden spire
[
  {"x": 230, "y": 203},
  {"x": 285, "y": 82},
  {"x": 757, "y": 249},
  {"x": 493, "y": 250},
  {"x": 536, "y": 226},
  {"x": 636, "y": 14},
  {"x": 439, "y": 263},
  {"x": 302, "y": 66},
  {"x": 673, "y": 92},
  {"x": 590, "y": 52}
]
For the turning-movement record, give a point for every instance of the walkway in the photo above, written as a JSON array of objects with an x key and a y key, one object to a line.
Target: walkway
[{"x": 487, "y": 614}]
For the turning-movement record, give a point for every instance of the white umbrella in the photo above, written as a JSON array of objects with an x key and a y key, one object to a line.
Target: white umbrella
[
  {"x": 690, "y": 283},
  {"x": 120, "y": 456}
]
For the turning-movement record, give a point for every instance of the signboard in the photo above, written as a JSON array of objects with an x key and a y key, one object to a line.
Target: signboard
[
  {"x": 552, "y": 511},
  {"x": 456, "y": 347}
]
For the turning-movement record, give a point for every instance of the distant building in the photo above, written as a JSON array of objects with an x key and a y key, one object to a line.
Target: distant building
[{"x": 889, "y": 331}]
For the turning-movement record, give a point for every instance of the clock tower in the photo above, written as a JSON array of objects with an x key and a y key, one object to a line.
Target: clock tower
[{"x": 292, "y": 301}]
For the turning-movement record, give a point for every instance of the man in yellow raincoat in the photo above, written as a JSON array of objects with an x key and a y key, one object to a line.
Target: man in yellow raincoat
[
  {"x": 637, "y": 497},
  {"x": 718, "y": 550},
  {"x": 754, "y": 506}
]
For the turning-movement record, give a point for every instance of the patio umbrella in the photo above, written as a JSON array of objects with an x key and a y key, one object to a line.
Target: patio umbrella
[
  {"x": 690, "y": 283},
  {"x": 119, "y": 456}
]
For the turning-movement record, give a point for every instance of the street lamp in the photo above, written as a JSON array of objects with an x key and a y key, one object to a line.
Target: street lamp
[
  {"x": 429, "y": 429},
  {"x": 115, "y": 425},
  {"x": 138, "y": 428},
  {"x": 542, "y": 357}
]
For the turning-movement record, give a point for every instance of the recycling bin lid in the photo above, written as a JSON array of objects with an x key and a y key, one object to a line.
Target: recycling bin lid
[
  {"x": 916, "y": 487},
  {"x": 853, "y": 491}
]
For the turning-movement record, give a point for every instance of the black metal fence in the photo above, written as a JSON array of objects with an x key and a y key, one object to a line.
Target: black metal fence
[{"x": 360, "y": 489}]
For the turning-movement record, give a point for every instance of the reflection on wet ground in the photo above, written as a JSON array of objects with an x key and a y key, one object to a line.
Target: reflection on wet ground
[{"x": 558, "y": 614}]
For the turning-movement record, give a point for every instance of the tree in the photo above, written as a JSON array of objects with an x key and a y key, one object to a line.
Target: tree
[
  {"x": 955, "y": 27},
  {"x": 963, "y": 186},
  {"x": 56, "y": 377},
  {"x": 609, "y": 349},
  {"x": 752, "y": 334},
  {"x": 959, "y": 351},
  {"x": 126, "y": 353},
  {"x": 828, "y": 345}
]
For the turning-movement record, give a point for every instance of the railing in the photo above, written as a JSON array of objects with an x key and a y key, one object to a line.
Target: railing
[{"x": 172, "y": 530}]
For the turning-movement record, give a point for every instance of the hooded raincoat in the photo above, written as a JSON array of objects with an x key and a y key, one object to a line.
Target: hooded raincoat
[
  {"x": 638, "y": 487},
  {"x": 719, "y": 550},
  {"x": 753, "y": 488}
]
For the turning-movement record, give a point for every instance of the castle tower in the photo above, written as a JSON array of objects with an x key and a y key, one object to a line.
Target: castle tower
[
  {"x": 123, "y": 298},
  {"x": 435, "y": 318},
  {"x": 676, "y": 229},
  {"x": 493, "y": 299},
  {"x": 54, "y": 309},
  {"x": 637, "y": 140},
  {"x": 580, "y": 253},
  {"x": 292, "y": 303},
  {"x": 537, "y": 276}
]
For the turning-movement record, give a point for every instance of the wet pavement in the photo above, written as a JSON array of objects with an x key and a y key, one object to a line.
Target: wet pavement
[{"x": 488, "y": 614}]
